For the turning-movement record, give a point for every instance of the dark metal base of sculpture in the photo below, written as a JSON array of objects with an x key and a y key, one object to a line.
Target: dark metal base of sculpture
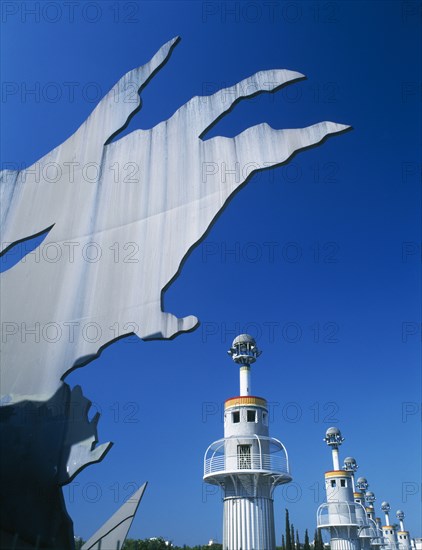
[{"x": 44, "y": 444}]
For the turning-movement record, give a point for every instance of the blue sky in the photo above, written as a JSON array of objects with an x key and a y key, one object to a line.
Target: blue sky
[{"x": 319, "y": 259}]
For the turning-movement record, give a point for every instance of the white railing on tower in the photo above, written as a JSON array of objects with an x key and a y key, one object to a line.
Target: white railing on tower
[
  {"x": 268, "y": 456},
  {"x": 339, "y": 513}
]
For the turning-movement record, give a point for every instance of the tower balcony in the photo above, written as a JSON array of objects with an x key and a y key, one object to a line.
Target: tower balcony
[
  {"x": 346, "y": 514},
  {"x": 369, "y": 530},
  {"x": 249, "y": 454}
]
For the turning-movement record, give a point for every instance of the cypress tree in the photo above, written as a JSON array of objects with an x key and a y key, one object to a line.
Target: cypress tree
[
  {"x": 288, "y": 534},
  {"x": 283, "y": 543},
  {"x": 306, "y": 545},
  {"x": 321, "y": 542},
  {"x": 297, "y": 540},
  {"x": 292, "y": 536}
]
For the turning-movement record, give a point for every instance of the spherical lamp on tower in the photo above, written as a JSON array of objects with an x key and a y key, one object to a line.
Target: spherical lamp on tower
[{"x": 247, "y": 463}]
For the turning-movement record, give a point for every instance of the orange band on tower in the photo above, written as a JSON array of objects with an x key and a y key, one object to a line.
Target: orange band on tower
[{"x": 244, "y": 401}]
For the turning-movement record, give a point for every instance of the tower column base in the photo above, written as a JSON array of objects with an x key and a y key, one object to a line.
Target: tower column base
[
  {"x": 249, "y": 524},
  {"x": 365, "y": 543},
  {"x": 344, "y": 544}
]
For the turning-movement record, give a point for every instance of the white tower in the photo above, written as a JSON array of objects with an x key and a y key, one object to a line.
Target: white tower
[
  {"x": 338, "y": 514},
  {"x": 247, "y": 463},
  {"x": 369, "y": 534},
  {"x": 403, "y": 537},
  {"x": 365, "y": 533},
  {"x": 388, "y": 530},
  {"x": 370, "y": 510},
  {"x": 360, "y": 487}
]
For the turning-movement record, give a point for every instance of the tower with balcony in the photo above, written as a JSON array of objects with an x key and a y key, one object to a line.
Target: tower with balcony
[
  {"x": 339, "y": 514},
  {"x": 247, "y": 463},
  {"x": 365, "y": 531}
]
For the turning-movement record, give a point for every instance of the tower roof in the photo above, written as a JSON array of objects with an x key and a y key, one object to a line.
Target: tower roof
[{"x": 244, "y": 339}]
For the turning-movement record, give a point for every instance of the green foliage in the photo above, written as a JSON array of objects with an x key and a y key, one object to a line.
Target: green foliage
[
  {"x": 146, "y": 544},
  {"x": 318, "y": 543},
  {"x": 289, "y": 541}
]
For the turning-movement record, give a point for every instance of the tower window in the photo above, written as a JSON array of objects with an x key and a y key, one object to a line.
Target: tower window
[
  {"x": 251, "y": 416},
  {"x": 236, "y": 417},
  {"x": 342, "y": 483},
  {"x": 333, "y": 483},
  {"x": 264, "y": 419},
  {"x": 244, "y": 457}
]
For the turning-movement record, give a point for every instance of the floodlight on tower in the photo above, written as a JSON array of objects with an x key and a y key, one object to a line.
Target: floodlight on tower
[
  {"x": 244, "y": 352},
  {"x": 334, "y": 439},
  {"x": 362, "y": 484}
]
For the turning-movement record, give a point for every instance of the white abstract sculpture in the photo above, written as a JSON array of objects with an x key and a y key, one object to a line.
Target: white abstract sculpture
[
  {"x": 164, "y": 209},
  {"x": 121, "y": 215},
  {"x": 112, "y": 534}
]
